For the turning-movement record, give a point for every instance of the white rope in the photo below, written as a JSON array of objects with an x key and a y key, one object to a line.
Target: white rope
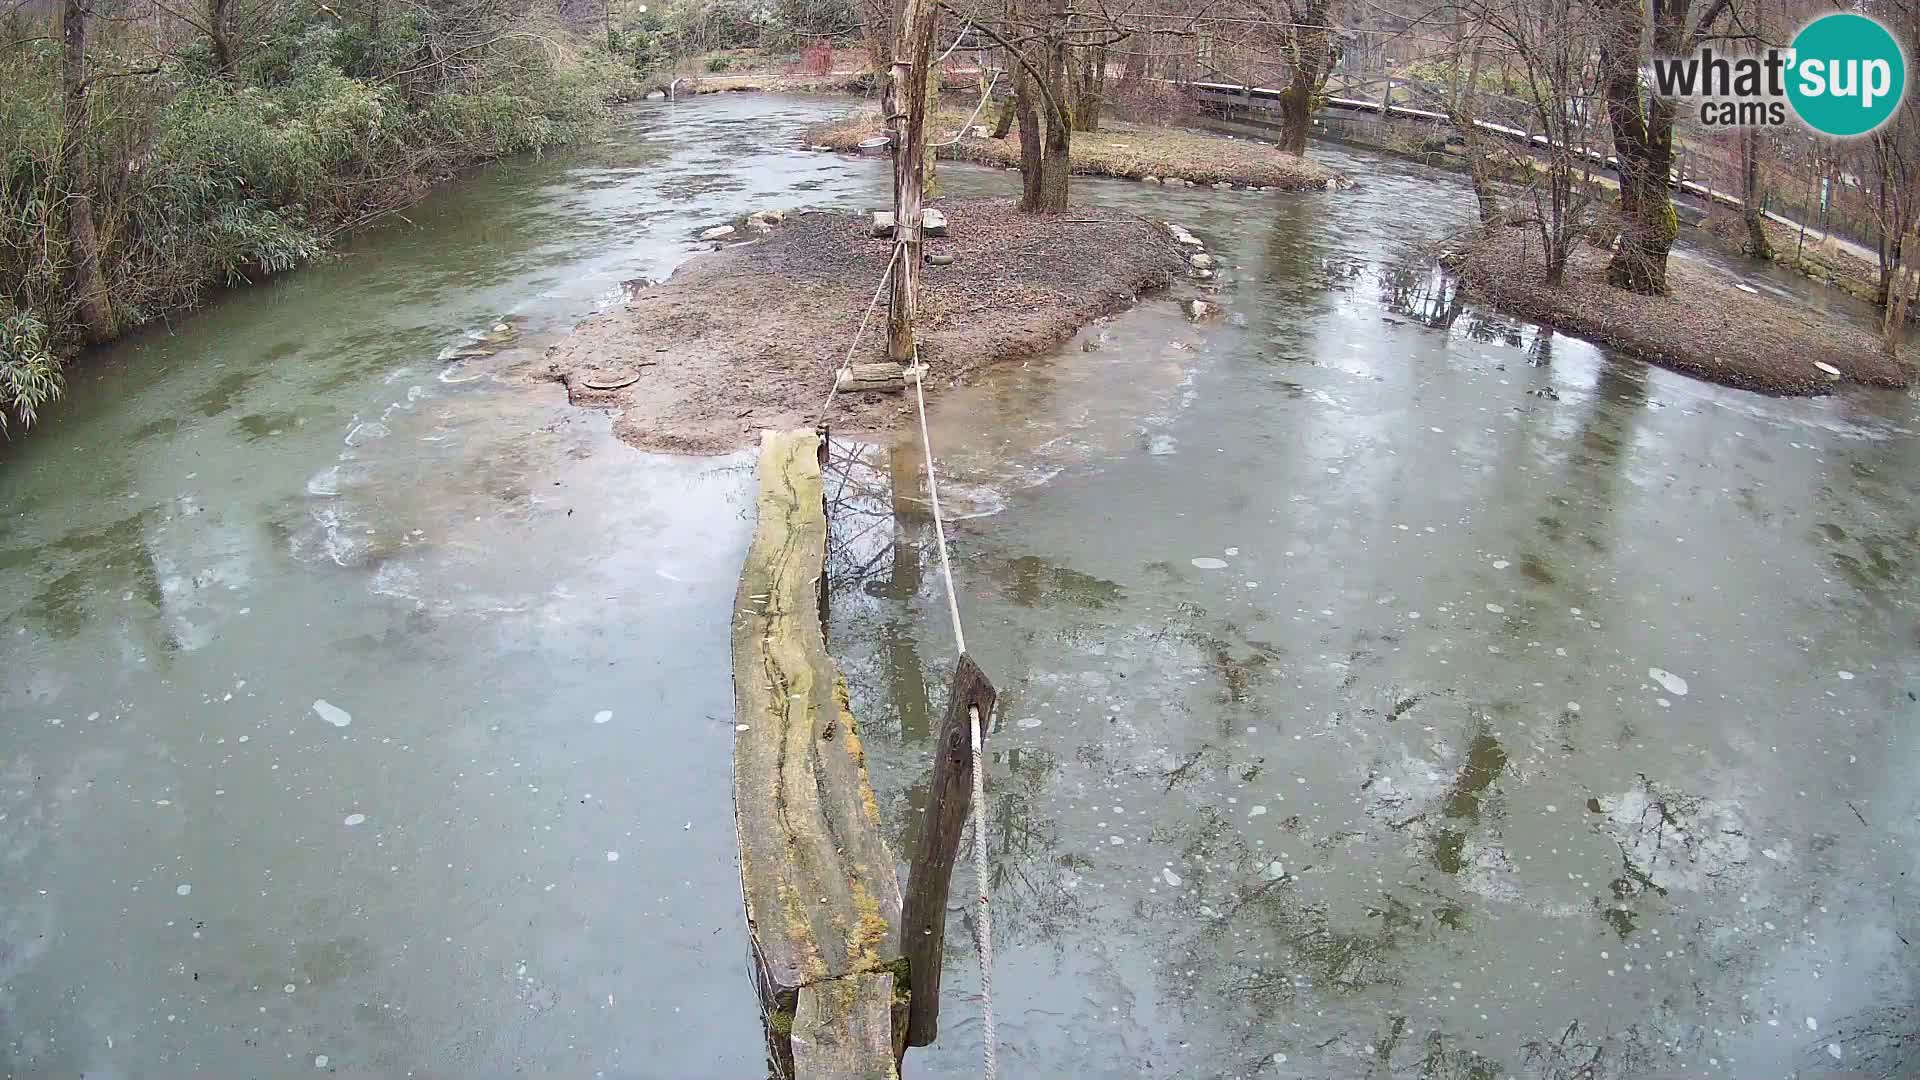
[
  {"x": 958, "y": 38},
  {"x": 989, "y": 1066},
  {"x": 984, "y": 939},
  {"x": 976, "y": 113},
  {"x": 846, "y": 365},
  {"x": 933, "y": 495}
]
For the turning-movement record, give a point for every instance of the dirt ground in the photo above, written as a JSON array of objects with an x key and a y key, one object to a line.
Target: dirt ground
[
  {"x": 1124, "y": 150},
  {"x": 749, "y": 337},
  {"x": 1706, "y": 327}
]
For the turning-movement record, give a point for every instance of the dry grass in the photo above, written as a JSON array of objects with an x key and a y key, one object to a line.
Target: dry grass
[
  {"x": 1706, "y": 327},
  {"x": 1127, "y": 151}
]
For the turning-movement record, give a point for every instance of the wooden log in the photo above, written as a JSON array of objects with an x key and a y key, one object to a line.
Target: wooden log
[
  {"x": 843, "y": 1028},
  {"x": 924, "y": 920},
  {"x": 821, "y": 897},
  {"x": 882, "y": 376}
]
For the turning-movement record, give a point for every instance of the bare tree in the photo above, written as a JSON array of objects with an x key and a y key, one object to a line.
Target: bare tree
[
  {"x": 1753, "y": 195},
  {"x": 1306, "y": 41},
  {"x": 1895, "y": 159},
  {"x": 1543, "y": 50},
  {"x": 1642, "y": 123},
  {"x": 1047, "y": 44}
]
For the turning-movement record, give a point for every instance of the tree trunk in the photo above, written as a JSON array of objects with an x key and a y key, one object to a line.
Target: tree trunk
[
  {"x": 1056, "y": 161},
  {"x": 1894, "y": 328},
  {"x": 83, "y": 243},
  {"x": 220, "y": 36},
  {"x": 1464, "y": 119},
  {"x": 1032, "y": 148},
  {"x": 1311, "y": 51},
  {"x": 1643, "y": 143},
  {"x": 1752, "y": 197},
  {"x": 911, "y": 67},
  {"x": 1004, "y": 122},
  {"x": 1090, "y": 88}
]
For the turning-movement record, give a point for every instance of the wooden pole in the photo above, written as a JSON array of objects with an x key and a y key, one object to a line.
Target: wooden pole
[
  {"x": 908, "y": 77},
  {"x": 924, "y": 914}
]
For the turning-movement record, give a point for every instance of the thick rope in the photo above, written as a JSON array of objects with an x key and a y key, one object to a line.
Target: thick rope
[
  {"x": 846, "y": 365},
  {"x": 985, "y": 941},
  {"x": 984, "y": 938},
  {"x": 933, "y": 495}
]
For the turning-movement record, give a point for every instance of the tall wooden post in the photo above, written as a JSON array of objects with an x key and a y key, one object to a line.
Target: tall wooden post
[
  {"x": 924, "y": 914},
  {"x": 908, "y": 78}
]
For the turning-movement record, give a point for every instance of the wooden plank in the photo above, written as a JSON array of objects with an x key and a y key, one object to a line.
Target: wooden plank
[
  {"x": 821, "y": 897},
  {"x": 843, "y": 1029},
  {"x": 881, "y": 376},
  {"x": 925, "y": 917}
]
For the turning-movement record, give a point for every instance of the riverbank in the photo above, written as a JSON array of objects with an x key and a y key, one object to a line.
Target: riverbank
[
  {"x": 240, "y": 175},
  {"x": 1707, "y": 327},
  {"x": 749, "y": 337},
  {"x": 1126, "y": 151}
]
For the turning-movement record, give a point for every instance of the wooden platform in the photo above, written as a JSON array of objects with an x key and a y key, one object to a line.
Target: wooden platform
[{"x": 823, "y": 904}]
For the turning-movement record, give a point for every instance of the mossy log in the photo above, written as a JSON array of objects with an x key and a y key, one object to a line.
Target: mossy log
[{"x": 823, "y": 904}]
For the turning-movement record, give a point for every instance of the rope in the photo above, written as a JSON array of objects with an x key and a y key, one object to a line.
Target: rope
[
  {"x": 847, "y": 364},
  {"x": 984, "y": 938},
  {"x": 988, "y": 1038},
  {"x": 939, "y": 529},
  {"x": 958, "y": 38},
  {"x": 995, "y": 81}
]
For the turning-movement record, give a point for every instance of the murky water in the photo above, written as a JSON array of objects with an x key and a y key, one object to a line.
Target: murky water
[
  {"x": 367, "y": 712},
  {"x": 1393, "y": 689},
  {"x": 363, "y": 705}
]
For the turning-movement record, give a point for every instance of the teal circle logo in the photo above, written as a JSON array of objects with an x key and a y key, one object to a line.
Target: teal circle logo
[{"x": 1848, "y": 74}]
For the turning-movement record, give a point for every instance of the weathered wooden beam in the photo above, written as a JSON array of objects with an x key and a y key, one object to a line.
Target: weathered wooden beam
[
  {"x": 886, "y": 375},
  {"x": 924, "y": 920},
  {"x": 844, "y": 1028},
  {"x": 822, "y": 900}
]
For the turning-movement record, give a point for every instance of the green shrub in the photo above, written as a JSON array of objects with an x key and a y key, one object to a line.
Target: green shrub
[
  {"x": 203, "y": 179},
  {"x": 29, "y": 372}
]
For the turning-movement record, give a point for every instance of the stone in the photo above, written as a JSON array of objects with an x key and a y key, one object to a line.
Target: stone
[
  {"x": 718, "y": 232},
  {"x": 656, "y": 95},
  {"x": 1223, "y": 186},
  {"x": 882, "y": 223},
  {"x": 982, "y": 131},
  {"x": 1201, "y": 260},
  {"x": 1183, "y": 237},
  {"x": 1333, "y": 183},
  {"x": 1199, "y": 309},
  {"x": 932, "y": 222},
  {"x": 819, "y": 149},
  {"x": 1151, "y": 179},
  {"x": 1203, "y": 275}
]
